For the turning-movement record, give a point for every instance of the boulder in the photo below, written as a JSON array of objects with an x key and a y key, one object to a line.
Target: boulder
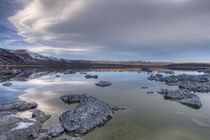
[
  {"x": 182, "y": 96},
  {"x": 103, "y": 84},
  {"x": 88, "y": 76},
  {"x": 12, "y": 127},
  {"x": 7, "y": 84},
  {"x": 89, "y": 114}
]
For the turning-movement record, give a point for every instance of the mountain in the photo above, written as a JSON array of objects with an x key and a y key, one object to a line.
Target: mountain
[
  {"x": 25, "y": 57},
  {"x": 6, "y": 57},
  {"x": 32, "y": 57}
]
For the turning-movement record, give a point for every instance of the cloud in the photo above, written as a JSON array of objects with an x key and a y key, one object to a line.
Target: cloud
[{"x": 114, "y": 25}]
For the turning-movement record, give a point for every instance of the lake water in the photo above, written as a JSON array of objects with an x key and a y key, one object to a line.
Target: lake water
[{"x": 147, "y": 116}]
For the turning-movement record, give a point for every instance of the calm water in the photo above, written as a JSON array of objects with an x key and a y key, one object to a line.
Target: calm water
[{"x": 147, "y": 116}]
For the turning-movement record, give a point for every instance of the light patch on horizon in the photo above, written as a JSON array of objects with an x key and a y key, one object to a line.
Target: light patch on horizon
[{"x": 57, "y": 50}]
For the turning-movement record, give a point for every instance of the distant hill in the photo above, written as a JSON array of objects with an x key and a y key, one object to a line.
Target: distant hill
[{"x": 28, "y": 58}]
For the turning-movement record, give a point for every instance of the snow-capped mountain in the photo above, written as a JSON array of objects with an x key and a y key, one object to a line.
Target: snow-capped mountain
[
  {"x": 7, "y": 57},
  {"x": 26, "y": 57}
]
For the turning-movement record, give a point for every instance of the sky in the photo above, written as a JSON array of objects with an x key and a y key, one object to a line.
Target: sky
[{"x": 148, "y": 30}]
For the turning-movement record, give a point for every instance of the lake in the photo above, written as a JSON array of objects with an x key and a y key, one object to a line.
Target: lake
[{"x": 147, "y": 116}]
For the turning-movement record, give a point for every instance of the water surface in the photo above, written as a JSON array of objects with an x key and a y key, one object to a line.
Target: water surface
[{"x": 147, "y": 116}]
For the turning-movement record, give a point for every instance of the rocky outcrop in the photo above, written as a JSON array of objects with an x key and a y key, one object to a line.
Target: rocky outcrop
[
  {"x": 18, "y": 106},
  {"x": 89, "y": 114},
  {"x": 182, "y": 96},
  {"x": 88, "y": 76},
  {"x": 103, "y": 84},
  {"x": 200, "y": 83},
  {"x": 13, "y": 127}
]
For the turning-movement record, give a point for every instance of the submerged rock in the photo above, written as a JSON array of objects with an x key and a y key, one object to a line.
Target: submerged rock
[
  {"x": 89, "y": 114},
  {"x": 146, "y": 69},
  {"x": 150, "y": 92},
  {"x": 182, "y": 96},
  {"x": 7, "y": 84},
  {"x": 167, "y": 72},
  {"x": 144, "y": 87},
  {"x": 103, "y": 84},
  {"x": 116, "y": 108},
  {"x": 18, "y": 106},
  {"x": 88, "y": 76},
  {"x": 55, "y": 130},
  {"x": 57, "y": 75}
]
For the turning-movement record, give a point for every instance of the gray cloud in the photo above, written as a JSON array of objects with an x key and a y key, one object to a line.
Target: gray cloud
[{"x": 115, "y": 26}]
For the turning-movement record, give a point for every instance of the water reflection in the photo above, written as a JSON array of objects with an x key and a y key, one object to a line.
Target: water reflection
[{"x": 147, "y": 116}]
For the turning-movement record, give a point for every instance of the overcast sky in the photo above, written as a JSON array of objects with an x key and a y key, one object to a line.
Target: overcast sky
[{"x": 151, "y": 30}]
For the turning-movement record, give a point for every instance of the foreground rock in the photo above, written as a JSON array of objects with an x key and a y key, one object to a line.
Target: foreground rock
[
  {"x": 103, "y": 84},
  {"x": 13, "y": 127},
  {"x": 89, "y": 114},
  {"x": 55, "y": 130},
  {"x": 88, "y": 76},
  {"x": 200, "y": 83},
  {"x": 182, "y": 96}
]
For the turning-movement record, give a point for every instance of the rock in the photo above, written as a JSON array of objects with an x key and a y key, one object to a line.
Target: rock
[
  {"x": 69, "y": 138},
  {"x": 150, "y": 92},
  {"x": 200, "y": 83},
  {"x": 40, "y": 116},
  {"x": 182, "y": 96},
  {"x": 69, "y": 71},
  {"x": 8, "y": 84},
  {"x": 167, "y": 72},
  {"x": 157, "y": 77},
  {"x": 144, "y": 87},
  {"x": 45, "y": 137},
  {"x": 18, "y": 106},
  {"x": 12, "y": 127},
  {"x": 73, "y": 98},
  {"x": 89, "y": 114},
  {"x": 88, "y": 76},
  {"x": 146, "y": 69},
  {"x": 193, "y": 102},
  {"x": 103, "y": 84},
  {"x": 83, "y": 73},
  {"x": 116, "y": 108},
  {"x": 57, "y": 75},
  {"x": 55, "y": 130}
]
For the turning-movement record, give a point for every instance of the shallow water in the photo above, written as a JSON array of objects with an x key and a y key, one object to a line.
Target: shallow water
[{"x": 147, "y": 116}]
